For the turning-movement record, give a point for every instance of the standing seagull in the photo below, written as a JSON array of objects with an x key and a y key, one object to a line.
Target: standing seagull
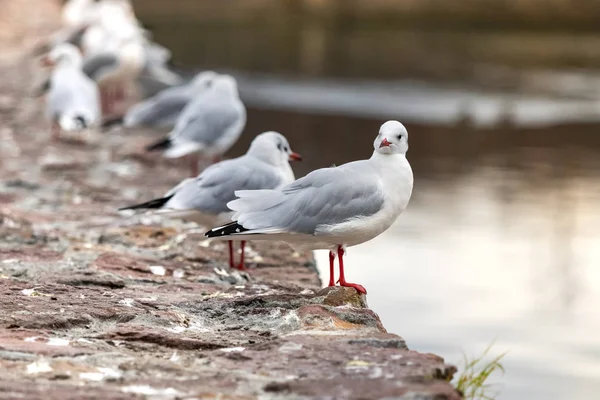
[
  {"x": 330, "y": 208},
  {"x": 210, "y": 124},
  {"x": 73, "y": 101},
  {"x": 204, "y": 199},
  {"x": 162, "y": 110}
]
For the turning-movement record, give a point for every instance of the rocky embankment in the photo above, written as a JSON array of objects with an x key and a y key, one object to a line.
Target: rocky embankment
[{"x": 96, "y": 305}]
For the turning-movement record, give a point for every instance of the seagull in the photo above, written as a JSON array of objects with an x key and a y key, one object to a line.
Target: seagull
[
  {"x": 162, "y": 110},
  {"x": 114, "y": 70},
  {"x": 73, "y": 101},
  {"x": 115, "y": 51},
  {"x": 204, "y": 199},
  {"x": 210, "y": 124},
  {"x": 156, "y": 74},
  {"x": 330, "y": 208}
]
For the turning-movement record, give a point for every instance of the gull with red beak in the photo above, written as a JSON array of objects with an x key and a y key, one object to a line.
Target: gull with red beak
[
  {"x": 330, "y": 208},
  {"x": 204, "y": 199}
]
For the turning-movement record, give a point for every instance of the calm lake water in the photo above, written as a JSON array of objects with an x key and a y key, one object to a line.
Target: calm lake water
[{"x": 501, "y": 240}]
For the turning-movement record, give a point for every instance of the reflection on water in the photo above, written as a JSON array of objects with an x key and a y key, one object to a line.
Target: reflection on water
[{"x": 499, "y": 242}]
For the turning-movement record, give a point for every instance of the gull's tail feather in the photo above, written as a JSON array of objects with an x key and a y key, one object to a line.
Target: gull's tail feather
[
  {"x": 152, "y": 204},
  {"x": 110, "y": 122},
  {"x": 73, "y": 122},
  {"x": 181, "y": 148},
  {"x": 230, "y": 229},
  {"x": 162, "y": 144},
  {"x": 237, "y": 230},
  {"x": 164, "y": 75}
]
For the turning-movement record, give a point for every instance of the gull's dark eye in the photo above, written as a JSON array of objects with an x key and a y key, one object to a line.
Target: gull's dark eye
[
  {"x": 400, "y": 137},
  {"x": 285, "y": 149}
]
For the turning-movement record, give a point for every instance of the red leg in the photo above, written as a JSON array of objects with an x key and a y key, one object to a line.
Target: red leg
[
  {"x": 110, "y": 99},
  {"x": 113, "y": 99},
  {"x": 120, "y": 95},
  {"x": 231, "y": 254},
  {"x": 104, "y": 101},
  {"x": 342, "y": 280},
  {"x": 241, "y": 266},
  {"x": 216, "y": 159},
  {"x": 193, "y": 159},
  {"x": 120, "y": 92},
  {"x": 55, "y": 131},
  {"x": 331, "y": 260}
]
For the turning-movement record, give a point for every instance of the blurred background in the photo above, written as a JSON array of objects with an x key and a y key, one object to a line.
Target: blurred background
[{"x": 501, "y": 241}]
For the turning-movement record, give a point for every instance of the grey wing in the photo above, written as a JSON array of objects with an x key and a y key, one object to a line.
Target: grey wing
[
  {"x": 161, "y": 74},
  {"x": 216, "y": 186},
  {"x": 100, "y": 64},
  {"x": 325, "y": 197},
  {"x": 205, "y": 122},
  {"x": 161, "y": 110}
]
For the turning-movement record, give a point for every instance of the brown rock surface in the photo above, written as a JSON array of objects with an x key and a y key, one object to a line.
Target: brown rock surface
[{"x": 97, "y": 305}]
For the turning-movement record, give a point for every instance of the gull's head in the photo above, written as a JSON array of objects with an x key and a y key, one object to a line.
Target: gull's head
[
  {"x": 225, "y": 84},
  {"x": 204, "y": 80},
  {"x": 273, "y": 148},
  {"x": 392, "y": 139},
  {"x": 63, "y": 54}
]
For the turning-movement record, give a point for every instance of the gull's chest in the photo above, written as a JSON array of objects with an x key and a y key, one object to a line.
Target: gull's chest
[{"x": 397, "y": 189}]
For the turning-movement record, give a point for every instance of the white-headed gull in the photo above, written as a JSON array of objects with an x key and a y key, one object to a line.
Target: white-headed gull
[
  {"x": 204, "y": 199},
  {"x": 210, "y": 124},
  {"x": 73, "y": 101},
  {"x": 162, "y": 110},
  {"x": 330, "y": 208}
]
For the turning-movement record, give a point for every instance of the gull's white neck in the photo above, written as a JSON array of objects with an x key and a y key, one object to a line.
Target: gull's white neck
[
  {"x": 388, "y": 160},
  {"x": 396, "y": 176}
]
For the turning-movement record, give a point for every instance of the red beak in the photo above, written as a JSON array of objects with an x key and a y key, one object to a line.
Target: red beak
[
  {"x": 384, "y": 143},
  {"x": 46, "y": 62},
  {"x": 295, "y": 157}
]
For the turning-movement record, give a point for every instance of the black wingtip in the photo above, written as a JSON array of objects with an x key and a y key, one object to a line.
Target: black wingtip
[
  {"x": 152, "y": 204},
  {"x": 81, "y": 122},
  {"x": 110, "y": 122},
  {"x": 160, "y": 145},
  {"x": 226, "y": 230},
  {"x": 42, "y": 89}
]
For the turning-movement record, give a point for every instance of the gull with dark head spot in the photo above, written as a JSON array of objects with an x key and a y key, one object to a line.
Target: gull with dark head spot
[
  {"x": 204, "y": 199},
  {"x": 330, "y": 208}
]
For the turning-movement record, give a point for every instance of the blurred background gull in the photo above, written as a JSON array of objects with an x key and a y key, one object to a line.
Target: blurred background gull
[{"x": 502, "y": 99}]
